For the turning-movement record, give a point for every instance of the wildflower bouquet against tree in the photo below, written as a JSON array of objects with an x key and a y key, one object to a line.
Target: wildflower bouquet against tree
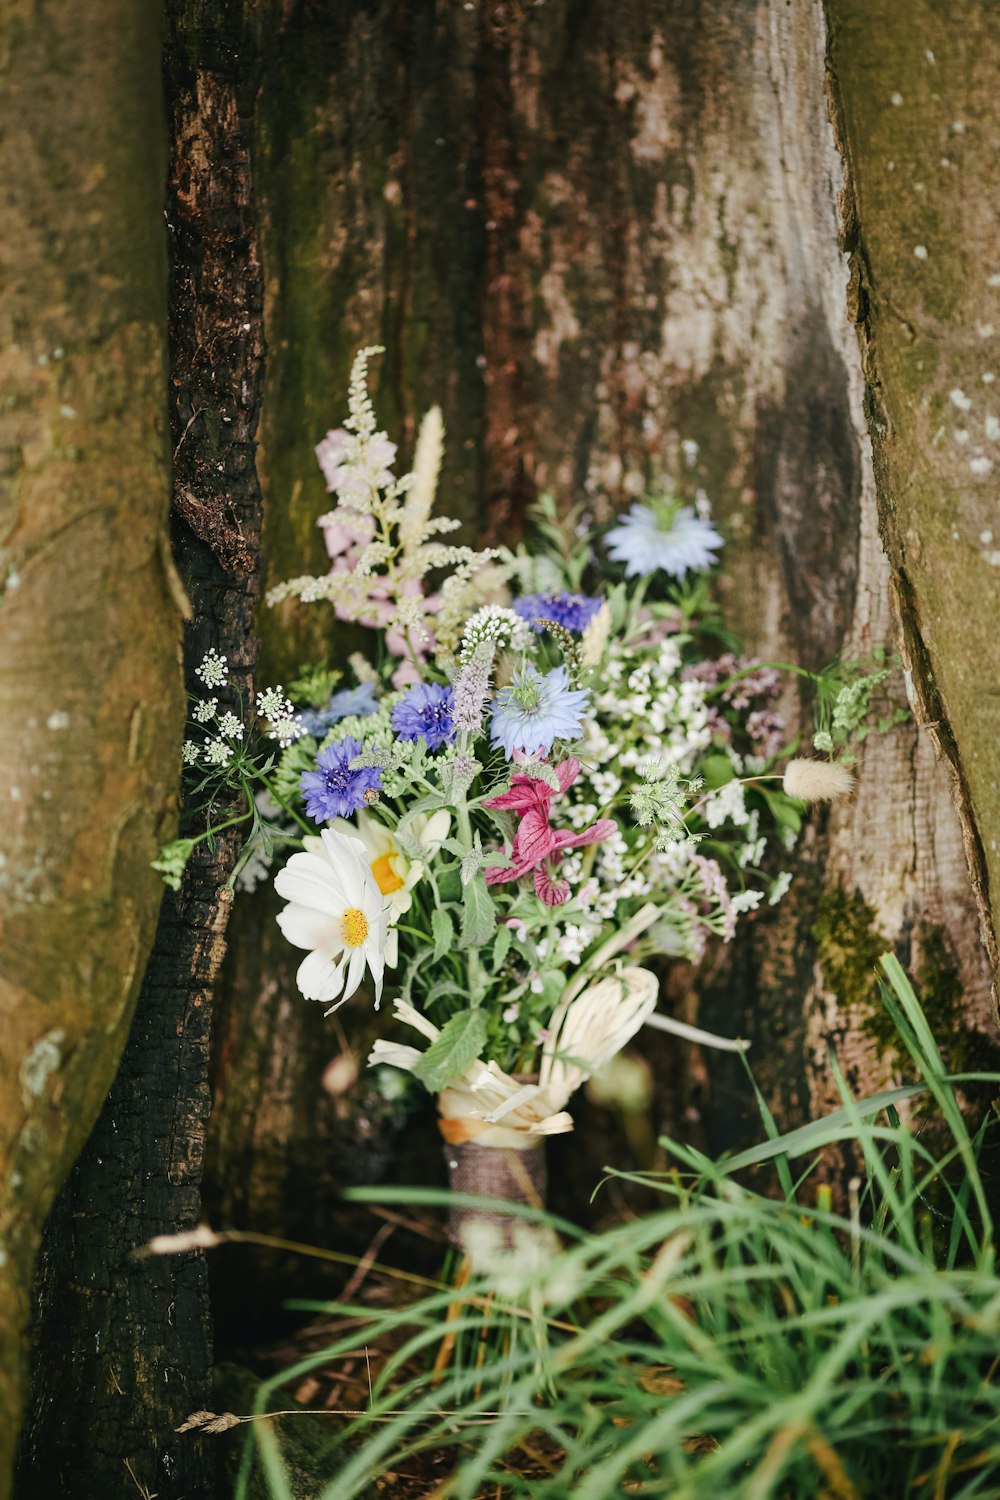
[{"x": 528, "y": 791}]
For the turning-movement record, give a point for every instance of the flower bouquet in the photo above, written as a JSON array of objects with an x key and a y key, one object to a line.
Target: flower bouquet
[{"x": 529, "y": 791}]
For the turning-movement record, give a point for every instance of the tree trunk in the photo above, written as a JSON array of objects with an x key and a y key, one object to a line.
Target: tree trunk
[
  {"x": 123, "y": 1345},
  {"x": 90, "y": 690},
  {"x": 608, "y": 241},
  {"x": 920, "y": 224}
]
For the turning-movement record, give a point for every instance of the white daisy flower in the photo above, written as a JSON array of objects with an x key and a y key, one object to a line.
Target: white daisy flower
[
  {"x": 337, "y": 911},
  {"x": 395, "y": 874}
]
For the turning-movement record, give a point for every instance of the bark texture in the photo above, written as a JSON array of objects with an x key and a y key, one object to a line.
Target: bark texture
[
  {"x": 90, "y": 687},
  {"x": 123, "y": 1344},
  {"x": 920, "y": 223},
  {"x": 608, "y": 241}
]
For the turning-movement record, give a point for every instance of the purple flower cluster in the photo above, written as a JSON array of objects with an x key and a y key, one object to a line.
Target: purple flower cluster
[
  {"x": 571, "y": 611},
  {"x": 472, "y": 688},
  {"x": 427, "y": 712},
  {"x": 333, "y": 790}
]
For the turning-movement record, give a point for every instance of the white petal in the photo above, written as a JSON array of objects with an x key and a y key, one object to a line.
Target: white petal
[
  {"x": 320, "y": 977},
  {"x": 410, "y": 1016},
  {"x": 395, "y": 1055},
  {"x": 355, "y": 971},
  {"x": 311, "y": 882},
  {"x": 311, "y": 929}
]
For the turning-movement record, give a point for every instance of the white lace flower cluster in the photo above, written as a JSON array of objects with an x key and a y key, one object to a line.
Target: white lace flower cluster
[
  {"x": 649, "y": 732},
  {"x": 225, "y": 730},
  {"x": 284, "y": 724},
  {"x": 493, "y": 626}
]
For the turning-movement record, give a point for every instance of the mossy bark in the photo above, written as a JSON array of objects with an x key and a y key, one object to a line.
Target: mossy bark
[
  {"x": 90, "y": 686},
  {"x": 916, "y": 114},
  {"x": 607, "y": 241},
  {"x": 123, "y": 1344}
]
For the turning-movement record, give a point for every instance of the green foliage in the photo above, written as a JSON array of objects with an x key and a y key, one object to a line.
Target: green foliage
[
  {"x": 844, "y": 711},
  {"x": 479, "y": 918},
  {"x": 459, "y": 1044},
  {"x": 314, "y": 684},
  {"x": 173, "y": 861},
  {"x": 761, "y": 1348},
  {"x": 442, "y": 931}
]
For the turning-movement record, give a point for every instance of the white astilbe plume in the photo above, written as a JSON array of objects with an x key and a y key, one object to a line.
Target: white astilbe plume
[
  {"x": 426, "y": 469},
  {"x": 816, "y": 780},
  {"x": 381, "y": 533},
  {"x": 361, "y": 413},
  {"x": 487, "y": 1105},
  {"x": 594, "y": 641}
]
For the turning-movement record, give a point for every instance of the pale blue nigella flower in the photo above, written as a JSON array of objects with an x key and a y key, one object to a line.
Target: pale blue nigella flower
[
  {"x": 663, "y": 535},
  {"x": 533, "y": 711}
]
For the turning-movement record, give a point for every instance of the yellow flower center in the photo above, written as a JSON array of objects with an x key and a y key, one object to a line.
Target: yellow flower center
[
  {"x": 385, "y": 876},
  {"x": 355, "y": 927}
]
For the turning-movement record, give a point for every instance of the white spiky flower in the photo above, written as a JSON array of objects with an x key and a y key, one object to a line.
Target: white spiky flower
[
  {"x": 816, "y": 780},
  {"x": 594, "y": 641},
  {"x": 337, "y": 911},
  {"x": 419, "y": 500}
]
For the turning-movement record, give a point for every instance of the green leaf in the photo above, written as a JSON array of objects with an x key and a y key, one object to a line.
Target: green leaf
[
  {"x": 553, "y": 983},
  {"x": 444, "y": 932},
  {"x": 479, "y": 917},
  {"x": 501, "y": 946},
  {"x": 173, "y": 860},
  {"x": 461, "y": 1041},
  {"x": 785, "y": 812},
  {"x": 717, "y": 770}
]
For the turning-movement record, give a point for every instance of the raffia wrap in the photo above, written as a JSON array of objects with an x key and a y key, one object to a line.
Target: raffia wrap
[{"x": 493, "y": 1124}]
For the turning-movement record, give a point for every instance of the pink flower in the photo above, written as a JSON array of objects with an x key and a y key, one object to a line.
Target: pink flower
[{"x": 538, "y": 847}]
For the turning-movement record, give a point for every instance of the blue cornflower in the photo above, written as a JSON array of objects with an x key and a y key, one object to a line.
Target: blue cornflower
[
  {"x": 533, "y": 711},
  {"x": 571, "y": 611},
  {"x": 333, "y": 790},
  {"x": 663, "y": 535},
  {"x": 426, "y": 712},
  {"x": 357, "y": 701}
]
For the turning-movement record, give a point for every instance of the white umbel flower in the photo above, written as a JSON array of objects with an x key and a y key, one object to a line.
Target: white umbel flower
[
  {"x": 816, "y": 780},
  {"x": 337, "y": 911}
]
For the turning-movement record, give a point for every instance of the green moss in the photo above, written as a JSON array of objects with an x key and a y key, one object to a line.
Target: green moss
[
  {"x": 939, "y": 985},
  {"x": 849, "y": 946}
]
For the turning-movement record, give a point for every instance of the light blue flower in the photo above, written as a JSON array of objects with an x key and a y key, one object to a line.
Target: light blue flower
[
  {"x": 534, "y": 711},
  {"x": 357, "y": 702},
  {"x": 663, "y": 535}
]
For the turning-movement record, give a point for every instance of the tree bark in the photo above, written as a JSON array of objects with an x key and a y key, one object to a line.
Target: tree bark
[
  {"x": 90, "y": 689},
  {"x": 920, "y": 224},
  {"x": 608, "y": 241},
  {"x": 124, "y": 1344}
]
